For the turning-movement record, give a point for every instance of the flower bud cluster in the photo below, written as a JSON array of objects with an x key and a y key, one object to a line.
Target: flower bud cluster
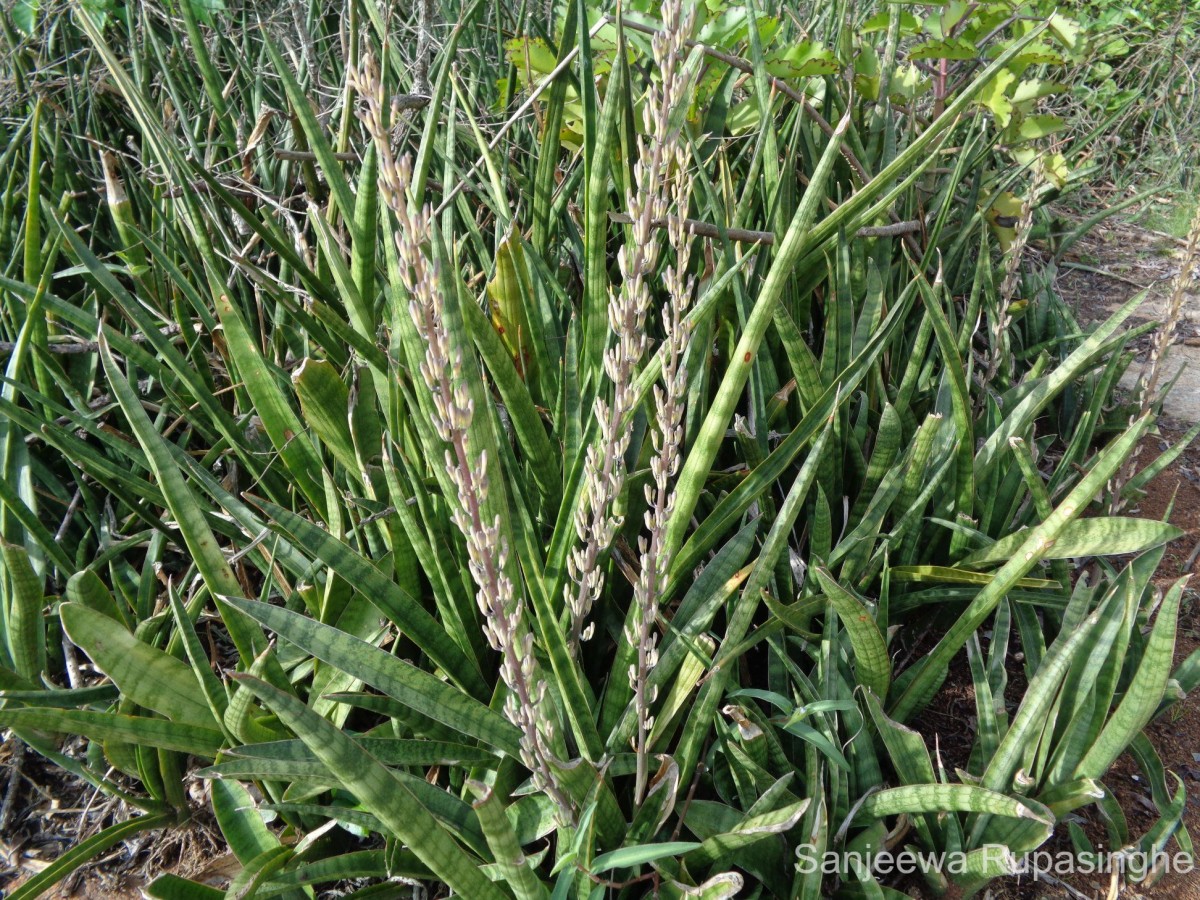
[
  {"x": 452, "y": 414},
  {"x": 659, "y": 192},
  {"x": 665, "y": 156}
]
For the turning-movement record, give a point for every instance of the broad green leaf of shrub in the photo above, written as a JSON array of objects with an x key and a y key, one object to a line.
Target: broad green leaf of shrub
[
  {"x": 731, "y": 27},
  {"x": 909, "y": 23},
  {"x": 866, "y": 72},
  {"x": 1056, "y": 169},
  {"x": 995, "y": 97},
  {"x": 802, "y": 61},
  {"x": 24, "y": 14},
  {"x": 955, "y": 48},
  {"x": 1037, "y": 54},
  {"x": 1032, "y": 128},
  {"x": 530, "y": 55},
  {"x": 1069, "y": 33},
  {"x": 1035, "y": 89},
  {"x": 908, "y": 83}
]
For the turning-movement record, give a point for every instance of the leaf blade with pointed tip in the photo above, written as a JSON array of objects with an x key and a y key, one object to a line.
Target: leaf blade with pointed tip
[
  {"x": 102, "y": 726},
  {"x": 381, "y": 793},
  {"x": 400, "y": 680},
  {"x": 1100, "y": 536},
  {"x": 874, "y": 666},
  {"x": 146, "y": 675},
  {"x": 392, "y": 600}
]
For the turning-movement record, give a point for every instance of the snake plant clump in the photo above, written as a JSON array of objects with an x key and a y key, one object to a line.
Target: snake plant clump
[{"x": 561, "y": 452}]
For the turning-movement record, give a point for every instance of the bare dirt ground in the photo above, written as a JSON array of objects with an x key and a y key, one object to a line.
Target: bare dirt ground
[
  {"x": 48, "y": 811},
  {"x": 1112, "y": 264}
]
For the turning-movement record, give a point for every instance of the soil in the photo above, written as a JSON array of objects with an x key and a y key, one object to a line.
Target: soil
[
  {"x": 50, "y": 810},
  {"x": 1111, "y": 264}
]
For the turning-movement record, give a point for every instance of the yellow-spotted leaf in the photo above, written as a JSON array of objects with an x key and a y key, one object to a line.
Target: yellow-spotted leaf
[{"x": 1002, "y": 215}]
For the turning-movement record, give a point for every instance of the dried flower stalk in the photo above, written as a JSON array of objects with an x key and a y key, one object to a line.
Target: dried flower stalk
[
  {"x": 1147, "y": 385},
  {"x": 1012, "y": 280},
  {"x": 442, "y": 372},
  {"x": 1181, "y": 284}
]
